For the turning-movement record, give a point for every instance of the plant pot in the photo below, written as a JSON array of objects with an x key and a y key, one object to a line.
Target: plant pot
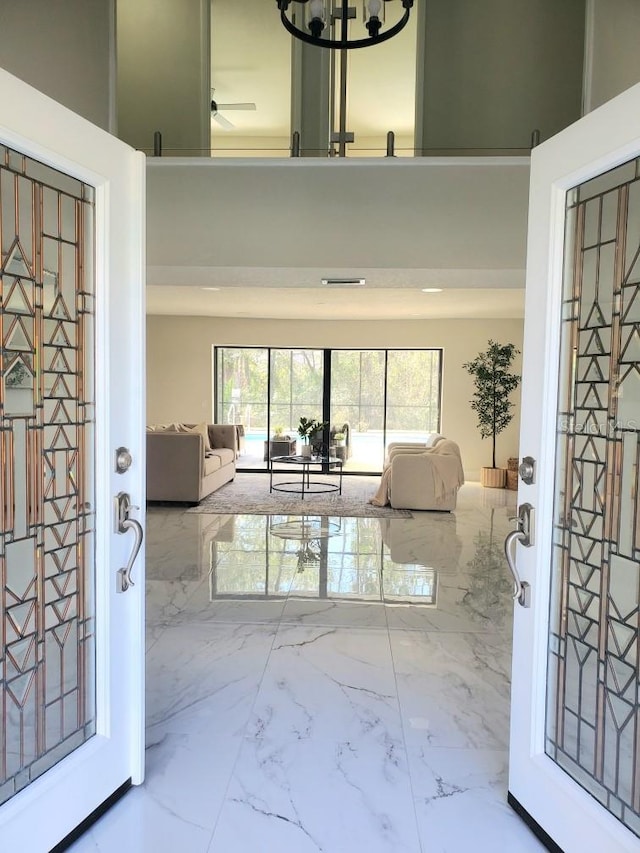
[
  {"x": 305, "y": 451},
  {"x": 493, "y": 478}
]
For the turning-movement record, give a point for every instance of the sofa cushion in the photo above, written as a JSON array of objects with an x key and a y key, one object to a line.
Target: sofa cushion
[
  {"x": 216, "y": 459},
  {"x": 212, "y": 463},
  {"x": 225, "y": 455},
  {"x": 223, "y": 435}
]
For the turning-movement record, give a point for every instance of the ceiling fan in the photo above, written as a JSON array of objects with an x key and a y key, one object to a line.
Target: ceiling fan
[{"x": 222, "y": 120}]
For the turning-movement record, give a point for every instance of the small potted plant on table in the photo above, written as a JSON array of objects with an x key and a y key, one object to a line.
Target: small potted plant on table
[{"x": 307, "y": 429}]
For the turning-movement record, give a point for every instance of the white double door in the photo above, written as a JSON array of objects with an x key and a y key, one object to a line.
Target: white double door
[
  {"x": 79, "y": 713},
  {"x": 575, "y": 720}
]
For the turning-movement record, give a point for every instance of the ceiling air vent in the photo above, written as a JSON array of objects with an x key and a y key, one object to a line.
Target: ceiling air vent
[{"x": 345, "y": 282}]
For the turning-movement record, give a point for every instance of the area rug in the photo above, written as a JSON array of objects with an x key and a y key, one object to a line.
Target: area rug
[{"x": 249, "y": 495}]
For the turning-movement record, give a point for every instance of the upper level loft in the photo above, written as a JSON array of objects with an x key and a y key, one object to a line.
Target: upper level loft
[
  {"x": 464, "y": 77},
  {"x": 223, "y": 78}
]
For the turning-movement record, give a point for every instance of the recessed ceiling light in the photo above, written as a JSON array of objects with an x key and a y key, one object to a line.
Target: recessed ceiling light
[
  {"x": 345, "y": 282},
  {"x": 432, "y": 290},
  {"x": 209, "y": 288}
]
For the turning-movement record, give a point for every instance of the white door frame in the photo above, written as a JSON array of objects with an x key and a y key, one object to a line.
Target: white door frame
[
  {"x": 49, "y": 808},
  {"x": 598, "y": 142}
]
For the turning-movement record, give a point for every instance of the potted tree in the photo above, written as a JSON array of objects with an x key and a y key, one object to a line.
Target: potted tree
[
  {"x": 494, "y": 382},
  {"x": 307, "y": 429}
]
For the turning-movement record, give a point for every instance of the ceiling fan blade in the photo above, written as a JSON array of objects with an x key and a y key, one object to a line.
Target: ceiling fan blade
[
  {"x": 223, "y": 122},
  {"x": 245, "y": 106}
]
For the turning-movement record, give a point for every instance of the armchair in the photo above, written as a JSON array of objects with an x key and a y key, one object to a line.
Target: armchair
[
  {"x": 422, "y": 478},
  {"x": 345, "y": 429}
]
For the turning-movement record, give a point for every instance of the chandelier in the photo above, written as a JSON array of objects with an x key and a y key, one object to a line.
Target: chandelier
[{"x": 317, "y": 15}]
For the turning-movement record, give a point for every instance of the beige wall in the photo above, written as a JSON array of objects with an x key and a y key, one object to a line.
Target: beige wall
[
  {"x": 179, "y": 359},
  {"x": 64, "y": 48},
  {"x": 493, "y": 71},
  {"x": 613, "y": 58},
  {"x": 163, "y": 74}
]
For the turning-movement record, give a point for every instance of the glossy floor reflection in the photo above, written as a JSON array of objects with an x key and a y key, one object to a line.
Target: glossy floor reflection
[{"x": 325, "y": 685}]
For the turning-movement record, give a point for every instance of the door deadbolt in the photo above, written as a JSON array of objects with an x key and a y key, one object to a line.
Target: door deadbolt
[
  {"x": 123, "y": 459},
  {"x": 527, "y": 470}
]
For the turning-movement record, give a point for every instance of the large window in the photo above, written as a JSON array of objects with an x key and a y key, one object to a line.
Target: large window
[
  {"x": 358, "y": 400},
  {"x": 242, "y": 377},
  {"x": 295, "y": 387},
  {"x": 371, "y": 397}
]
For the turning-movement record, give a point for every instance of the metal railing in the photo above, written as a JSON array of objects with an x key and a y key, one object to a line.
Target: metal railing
[{"x": 295, "y": 150}]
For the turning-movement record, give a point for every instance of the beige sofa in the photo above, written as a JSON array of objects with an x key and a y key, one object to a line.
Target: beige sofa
[{"x": 183, "y": 467}]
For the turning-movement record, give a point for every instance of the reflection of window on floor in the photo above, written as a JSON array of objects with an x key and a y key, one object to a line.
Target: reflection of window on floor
[
  {"x": 314, "y": 557},
  {"x": 369, "y": 398}
]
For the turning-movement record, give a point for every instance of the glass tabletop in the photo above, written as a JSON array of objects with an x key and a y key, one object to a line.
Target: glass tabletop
[{"x": 307, "y": 460}]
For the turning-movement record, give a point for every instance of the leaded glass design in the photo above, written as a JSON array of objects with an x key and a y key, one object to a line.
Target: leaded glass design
[
  {"x": 47, "y": 620},
  {"x": 593, "y": 710}
]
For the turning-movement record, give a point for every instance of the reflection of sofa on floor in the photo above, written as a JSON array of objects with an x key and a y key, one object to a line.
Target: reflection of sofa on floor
[
  {"x": 436, "y": 545},
  {"x": 186, "y": 462},
  {"x": 421, "y": 476},
  {"x": 192, "y": 561}
]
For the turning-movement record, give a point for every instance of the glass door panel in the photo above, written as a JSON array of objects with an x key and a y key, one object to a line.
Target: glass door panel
[
  {"x": 592, "y": 679},
  {"x": 357, "y": 407},
  {"x": 296, "y": 390},
  {"x": 413, "y": 394},
  {"x": 47, "y": 559},
  {"x": 242, "y": 394}
]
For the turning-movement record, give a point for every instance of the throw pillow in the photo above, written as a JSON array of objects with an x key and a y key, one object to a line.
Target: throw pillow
[{"x": 200, "y": 428}]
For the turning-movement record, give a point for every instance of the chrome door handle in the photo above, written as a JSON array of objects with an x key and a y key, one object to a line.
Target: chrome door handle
[
  {"x": 521, "y": 589},
  {"x": 124, "y": 523},
  {"x": 524, "y": 535}
]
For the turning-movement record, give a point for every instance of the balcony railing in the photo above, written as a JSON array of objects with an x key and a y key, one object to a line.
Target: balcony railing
[{"x": 294, "y": 149}]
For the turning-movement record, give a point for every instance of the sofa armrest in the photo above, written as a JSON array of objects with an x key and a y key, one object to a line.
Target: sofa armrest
[
  {"x": 406, "y": 446},
  {"x": 175, "y": 466},
  {"x": 431, "y": 441},
  {"x": 395, "y": 449}
]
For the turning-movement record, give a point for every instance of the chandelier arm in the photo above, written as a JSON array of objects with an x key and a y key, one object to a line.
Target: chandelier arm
[{"x": 340, "y": 44}]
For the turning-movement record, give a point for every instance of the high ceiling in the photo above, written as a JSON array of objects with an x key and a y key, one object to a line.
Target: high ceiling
[
  {"x": 236, "y": 240},
  {"x": 336, "y": 303},
  {"x": 251, "y": 62}
]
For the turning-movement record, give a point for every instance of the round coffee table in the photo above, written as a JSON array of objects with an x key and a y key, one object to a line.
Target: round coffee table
[{"x": 305, "y": 485}]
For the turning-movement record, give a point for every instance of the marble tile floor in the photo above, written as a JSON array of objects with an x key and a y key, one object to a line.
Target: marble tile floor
[{"x": 336, "y": 686}]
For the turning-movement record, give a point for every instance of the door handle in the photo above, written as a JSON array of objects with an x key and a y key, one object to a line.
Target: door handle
[
  {"x": 124, "y": 523},
  {"x": 523, "y": 534}
]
